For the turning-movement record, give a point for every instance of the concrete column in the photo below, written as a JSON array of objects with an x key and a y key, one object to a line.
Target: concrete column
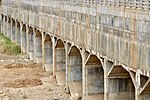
[
  {"x": 0, "y": 23},
  {"x": 54, "y": 56},
  {"x": 107, "y": 66},
  {"x": 34, "y": 35},
  {"x": 84, "y": 85},
  {"x": 27, "y": 41},
  {"x": 21, "y": 39},
  {"x": 137, "y": 89},
  {"x": 67, "y": 67},
  {"x": 43, "y": 50}
]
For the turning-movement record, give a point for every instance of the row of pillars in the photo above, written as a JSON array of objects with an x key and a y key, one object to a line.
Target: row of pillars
[{"x": 82, "y": 73}]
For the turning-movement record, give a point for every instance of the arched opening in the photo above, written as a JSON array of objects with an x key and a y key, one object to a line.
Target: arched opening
[
  {"x": 121, "y": 86},
  {"x": 38, "y": 46},
  {"x": 94, "y": 79},
  {"x": 31, "y": 43},
  {"x": 13, "y": 30},
  {"x": 24, "y": 39},
  {"x": 18, "y": 33},
  {"x": 48, "y": 63},
  {"x": 75, "y": 71},
  {"x": 60, "y": 63}
]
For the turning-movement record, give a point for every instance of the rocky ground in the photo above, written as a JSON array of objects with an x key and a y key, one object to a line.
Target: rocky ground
[{"x": 21, "y": 79}]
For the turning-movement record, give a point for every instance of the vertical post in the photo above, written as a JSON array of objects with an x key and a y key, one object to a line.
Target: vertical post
[
  {"x": 21, "y": 35},
  {"x": 67, "y": 67},
  {"x": 1, "y": 24},
  {"x": 54, "y": 57},
  {"x": 43, "y": 50},
  {"x": 34, "y": 34},
  {"x": 27, "y": 37},
  {"x": 11, "y": 30},
  {"x": 106, "y": 83},
  {"x": 7, "y": 27},
  {"x": 137, "y": 88},
  {"x": 4, "y": 25},
  {"x": 84, "y": 90}
]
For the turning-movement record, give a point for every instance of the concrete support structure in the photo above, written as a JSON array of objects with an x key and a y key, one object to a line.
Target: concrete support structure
[{"x": 98, "y": 49}]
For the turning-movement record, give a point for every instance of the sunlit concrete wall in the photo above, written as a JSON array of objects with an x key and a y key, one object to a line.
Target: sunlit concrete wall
[{"x": 115, "y": 33}]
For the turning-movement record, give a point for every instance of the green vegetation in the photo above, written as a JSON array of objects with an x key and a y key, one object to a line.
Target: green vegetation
[{"x": 8, "y": 47}]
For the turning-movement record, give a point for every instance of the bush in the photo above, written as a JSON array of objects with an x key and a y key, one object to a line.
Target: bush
[{"x": 8, "y": 46}]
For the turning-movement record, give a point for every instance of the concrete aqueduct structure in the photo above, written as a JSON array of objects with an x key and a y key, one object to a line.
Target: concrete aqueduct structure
[{"x": 97, "y": 48}]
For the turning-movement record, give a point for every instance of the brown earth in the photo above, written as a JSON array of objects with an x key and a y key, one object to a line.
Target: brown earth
[{"x": 21, "y": 79}]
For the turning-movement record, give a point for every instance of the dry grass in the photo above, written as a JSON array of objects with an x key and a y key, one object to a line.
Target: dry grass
[{"x": 8, "y": 47}]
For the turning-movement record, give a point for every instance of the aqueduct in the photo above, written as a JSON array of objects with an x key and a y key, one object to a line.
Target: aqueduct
[{"x": 97, "y": 48}]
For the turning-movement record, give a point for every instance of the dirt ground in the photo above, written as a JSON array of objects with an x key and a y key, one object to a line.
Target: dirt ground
[{"x": 21, "y": 79}]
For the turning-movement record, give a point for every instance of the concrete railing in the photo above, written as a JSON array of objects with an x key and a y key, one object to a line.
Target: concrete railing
[{"x": 126, "y": 3}]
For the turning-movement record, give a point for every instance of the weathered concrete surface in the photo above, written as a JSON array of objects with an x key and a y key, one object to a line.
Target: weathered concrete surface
[
  {"x": 23, "y": 39},
  {"x": 38, "y": 47},
  {"x": 61, "y": 66},
  {"x": 75, "y": 75},
  {"x": 115, "y": 32},
  {"x": 48, "y": 54},
  {"x": 31, "y": 44}
]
